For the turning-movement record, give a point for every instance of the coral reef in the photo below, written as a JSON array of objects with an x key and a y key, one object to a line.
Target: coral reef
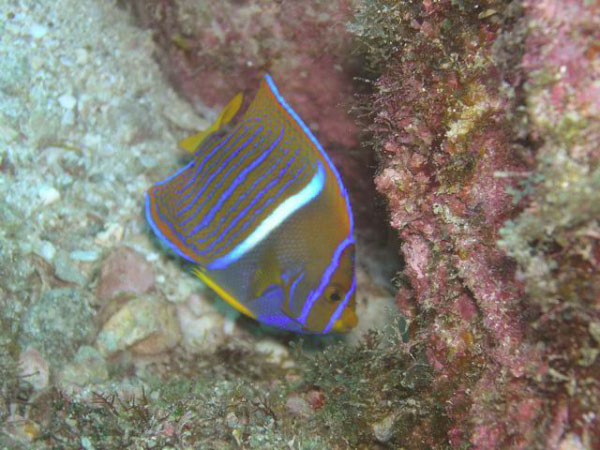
[
  {"x": 484, "y": 118},
  {"x": 496, "y": 205}
]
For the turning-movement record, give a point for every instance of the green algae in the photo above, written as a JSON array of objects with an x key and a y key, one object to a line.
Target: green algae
[
  {"x": 379, "y": 382},
  {"x": 380, "y": 28},
  {"x": 458, "y": 171},
  {"x": 564, "y": 217},
  {"x": 202, "y": 404}
]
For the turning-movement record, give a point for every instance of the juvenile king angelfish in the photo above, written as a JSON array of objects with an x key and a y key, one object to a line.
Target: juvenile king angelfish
[{"x": 262, "y": 213}]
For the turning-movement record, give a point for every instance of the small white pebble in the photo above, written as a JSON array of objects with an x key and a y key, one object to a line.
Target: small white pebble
[
  {"x": 67, "y": 101},
  {"x": 148, "y": 161},
  {"x": 46, "y": 250},
  {"x": 81, "y": 56},
  {"x": 198, "y": 305},
  {"x": 232, "y": 420},
  {"x": 274, "y": 351},
  {"x": 36, "y": 62},
  {"x": 84, "y": 255},
  {"x": 113, "y": 233},
  {"x": 298, "y": 407},
  {"x": 34, "y": 368},
  {"x": 160, "y": 279},
  {"x": 86, "y": 443},
  {"x": 288, "y": 364},
  {"x": 38, "y": 31},
  {"x": 8, "y": 133},
  {"x": 152, "y": 257},
  {"x": 229, "y": 326},
  {"x": 68, "y": 117},
  {"x": 48, "y": 195},
  {"x": 571, "y": 442},
  {"x": 383, "y": 430}
]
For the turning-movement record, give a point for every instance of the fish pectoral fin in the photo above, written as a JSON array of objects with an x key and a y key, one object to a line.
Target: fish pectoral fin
[
  {"x": 222, "y": 292},
  {"x": 191, "y": 143},
  {"x": 264, "y": 281},
  {"x": 267, "y": 276}
]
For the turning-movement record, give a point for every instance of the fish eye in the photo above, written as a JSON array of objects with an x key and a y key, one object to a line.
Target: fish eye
[{"x": 333, "y": 294}]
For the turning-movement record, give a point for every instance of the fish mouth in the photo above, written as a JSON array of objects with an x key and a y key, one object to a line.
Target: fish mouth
[{"x": 346, "y": 322}]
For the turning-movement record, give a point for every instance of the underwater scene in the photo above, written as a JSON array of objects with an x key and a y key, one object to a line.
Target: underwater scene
[{"x": 300, "y": 224}]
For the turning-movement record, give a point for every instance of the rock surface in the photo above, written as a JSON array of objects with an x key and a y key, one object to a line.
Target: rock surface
[
  {"x": 144, "y": 325},
  {"x": 202, "y": 328},
  {"x": 88, "y": 367},
  {"x": 124, "y": 271},
  {"x": 58, "y": 323},
  {"x": 34, "y": 368}
]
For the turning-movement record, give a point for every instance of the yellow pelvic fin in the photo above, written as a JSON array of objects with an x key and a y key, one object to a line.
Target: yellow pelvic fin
[
  {"x": 222, "y": 293},
  {"x": 191, "y": 143}
]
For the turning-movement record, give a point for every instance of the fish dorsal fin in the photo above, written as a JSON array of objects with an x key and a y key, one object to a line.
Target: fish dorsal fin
[
  {"x": 230, "y": 110},
  {"x": 191, "y": 143}
]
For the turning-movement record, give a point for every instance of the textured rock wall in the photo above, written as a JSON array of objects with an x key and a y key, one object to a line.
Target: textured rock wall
[{"x": 486, "y": 119}]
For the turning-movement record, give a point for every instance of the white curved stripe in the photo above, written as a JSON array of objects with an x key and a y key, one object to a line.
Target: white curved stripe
[
  {"x": 317, "y": 144},
  {"x": 276, "y": 218}
]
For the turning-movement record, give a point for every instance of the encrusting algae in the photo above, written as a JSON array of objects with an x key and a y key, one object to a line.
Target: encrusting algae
[{"x": 486, "y": 122}]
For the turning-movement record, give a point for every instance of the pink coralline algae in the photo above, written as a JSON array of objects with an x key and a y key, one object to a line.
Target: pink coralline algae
[
  {"x": 487, "y": 123},
  {"x": 214, "y": 49}
]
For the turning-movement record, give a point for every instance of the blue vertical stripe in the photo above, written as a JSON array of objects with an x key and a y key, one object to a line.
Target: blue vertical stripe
[
  {"x": 216, "y": 186},
  {"x": 254, "y": 215},
  {"x": 157, "y": 230},
  {"x": 201, "y": 162},
  {"x": 250, "y": 192},
  {"x": 191, "y": 185},
  {"x": 292, "y": 289},
  {"x": 214, "y": 174},
  {"x": 257, "y": 197},
  {"x": 239, "y": 180},
  {"x": 314, "y": 295}
]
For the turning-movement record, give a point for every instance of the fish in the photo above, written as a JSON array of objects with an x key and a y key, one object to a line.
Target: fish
[{"x": 262, "y": 216}]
